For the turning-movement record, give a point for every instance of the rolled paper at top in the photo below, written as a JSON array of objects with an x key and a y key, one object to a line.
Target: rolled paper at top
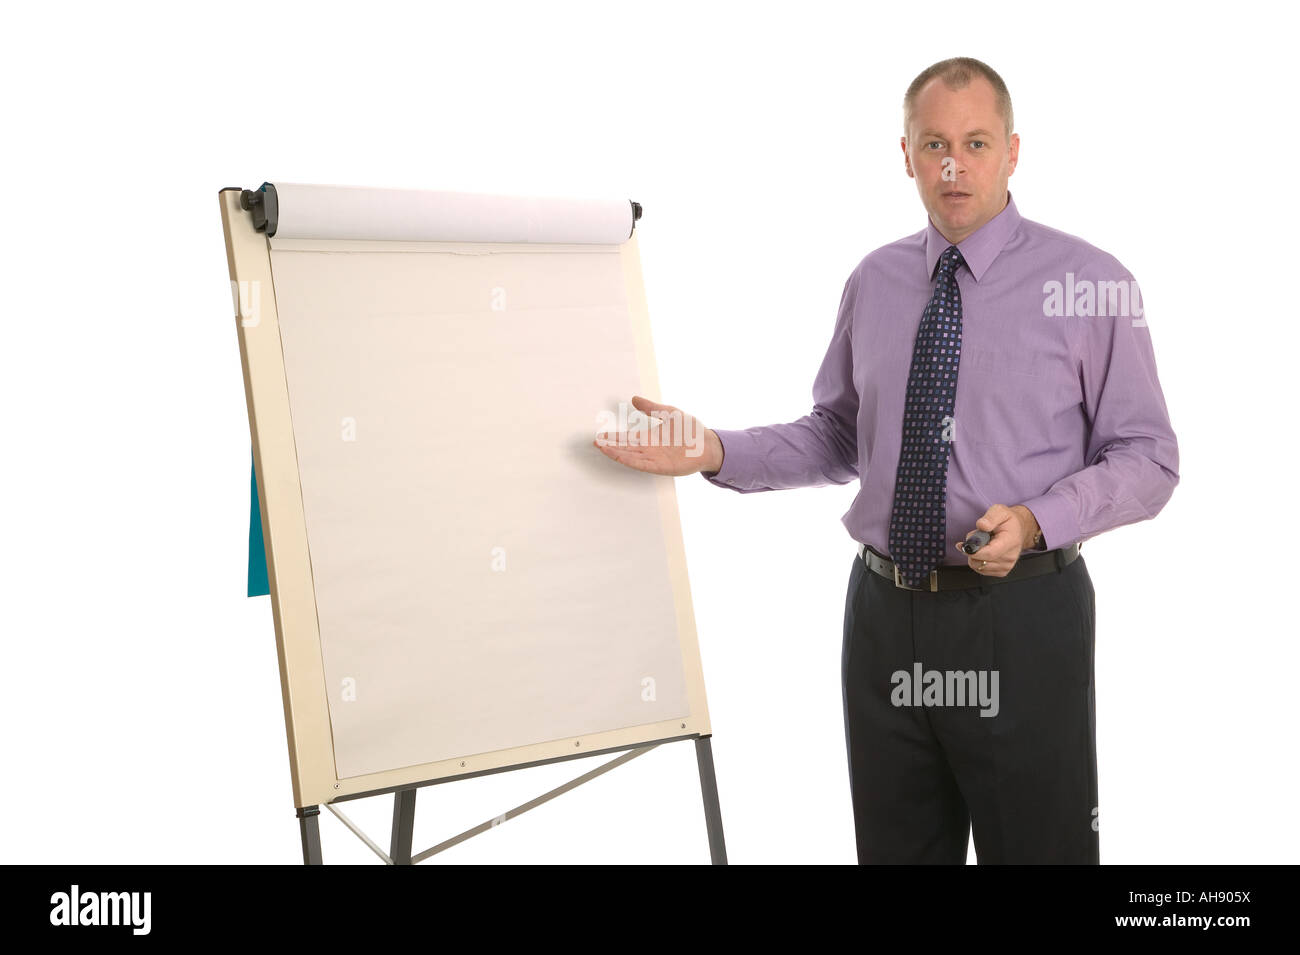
[{"x": 414, "y": 215}]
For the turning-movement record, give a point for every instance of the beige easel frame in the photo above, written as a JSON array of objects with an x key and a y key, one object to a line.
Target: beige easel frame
[{"x": 302, "y": 676}]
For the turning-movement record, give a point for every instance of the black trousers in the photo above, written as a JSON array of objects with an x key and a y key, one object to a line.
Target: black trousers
[{"x": 925, "y": 768}]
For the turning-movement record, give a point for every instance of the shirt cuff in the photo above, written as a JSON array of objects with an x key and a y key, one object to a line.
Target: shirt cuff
[
  {"x": 1056, "y": 520},
  {"x": 738, "y": 456}
]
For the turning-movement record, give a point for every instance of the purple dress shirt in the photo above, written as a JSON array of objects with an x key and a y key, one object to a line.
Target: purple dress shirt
[{"x": 1058, "y": 404}]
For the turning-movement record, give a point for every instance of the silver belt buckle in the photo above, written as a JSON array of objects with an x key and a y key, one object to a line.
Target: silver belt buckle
[{"x": 934, "y": 581}]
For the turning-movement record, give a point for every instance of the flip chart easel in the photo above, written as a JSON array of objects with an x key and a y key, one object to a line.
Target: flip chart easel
[{"x": 460, "y": 584}]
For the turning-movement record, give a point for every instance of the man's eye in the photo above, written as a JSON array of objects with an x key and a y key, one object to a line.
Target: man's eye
[
  {"x": 935, "y": 143},
  {"x": 979, "y": 144}
]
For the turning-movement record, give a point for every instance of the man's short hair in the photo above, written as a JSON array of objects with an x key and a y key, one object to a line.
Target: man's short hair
[{"x": 956, "y": 74}]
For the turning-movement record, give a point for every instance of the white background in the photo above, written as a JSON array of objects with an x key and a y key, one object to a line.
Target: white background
[{"x": 142, "y": 719}]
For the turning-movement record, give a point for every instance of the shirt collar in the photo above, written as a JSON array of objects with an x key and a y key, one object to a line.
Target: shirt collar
[{"x": 981, "y": 247}]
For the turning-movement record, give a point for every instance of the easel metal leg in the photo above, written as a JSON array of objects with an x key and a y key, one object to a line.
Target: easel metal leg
[
  {"x": 712, "y": 811},
  {"x": 403, "y": 826},
  {"x": 309, "y": 829}
]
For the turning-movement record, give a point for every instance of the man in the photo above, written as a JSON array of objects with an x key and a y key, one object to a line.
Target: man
[{"x": 987, "y": 373}]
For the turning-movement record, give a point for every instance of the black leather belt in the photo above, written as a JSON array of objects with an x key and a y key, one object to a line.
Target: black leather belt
[{"x": 961, "y": 577}]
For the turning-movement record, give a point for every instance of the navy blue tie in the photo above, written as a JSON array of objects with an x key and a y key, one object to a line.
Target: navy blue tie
[{"x": 916, "y": 525}]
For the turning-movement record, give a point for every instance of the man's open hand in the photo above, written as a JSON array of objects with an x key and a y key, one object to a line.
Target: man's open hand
[{"x": 677, "y": 445}]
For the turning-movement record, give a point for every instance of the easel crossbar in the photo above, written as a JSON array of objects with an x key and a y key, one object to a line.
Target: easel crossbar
[
  {"x": 496, "y": 820},
  {"x": 532, "y": 803},
  {"x": 356, "y": 830}
]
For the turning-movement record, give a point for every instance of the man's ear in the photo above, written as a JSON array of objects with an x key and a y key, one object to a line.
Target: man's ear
[
  {"x": 1015, "y": 153},
  {"x": 907, "y": 160}
]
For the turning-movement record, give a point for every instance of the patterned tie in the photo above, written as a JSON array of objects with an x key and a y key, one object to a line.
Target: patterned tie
[{"x": 916, "y": 526}]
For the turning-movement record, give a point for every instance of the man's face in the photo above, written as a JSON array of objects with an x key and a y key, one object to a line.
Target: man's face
[{"x": 957, "y": 150}]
